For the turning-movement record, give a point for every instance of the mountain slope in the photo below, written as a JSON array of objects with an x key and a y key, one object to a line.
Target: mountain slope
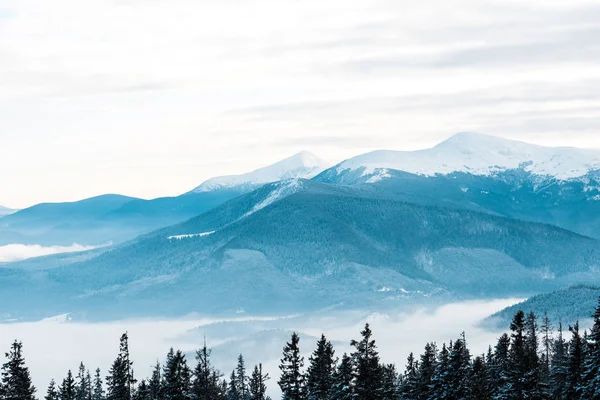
[
  {"x": 572, "y": 204},
  {"x": 471, "y": 153},
  {"x": 310, "y": 245},
  {"x": 303, "y": 165},
  {"x": 115, "y": 219},
  {"x": 576, "y": 303}
]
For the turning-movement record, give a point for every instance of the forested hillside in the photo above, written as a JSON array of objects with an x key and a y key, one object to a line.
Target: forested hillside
[
  {"x": 565, "y": 305},
  {"x": 301, "y": 245}
]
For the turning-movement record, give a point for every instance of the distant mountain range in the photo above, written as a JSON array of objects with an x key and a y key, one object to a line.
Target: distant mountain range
[
  {"x": 115, "y": 218},
  {"x": 474, "y": 217}
]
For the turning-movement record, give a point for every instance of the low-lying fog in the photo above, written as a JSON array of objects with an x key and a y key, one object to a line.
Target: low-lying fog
[
  {"x": 53, "y": 346},
  {"x": 19, "y": 252}
]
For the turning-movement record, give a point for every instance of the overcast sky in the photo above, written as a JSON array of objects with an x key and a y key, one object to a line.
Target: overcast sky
[{"x": 151, "y": 97}]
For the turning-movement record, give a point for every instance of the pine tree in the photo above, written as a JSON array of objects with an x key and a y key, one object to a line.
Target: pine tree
[
  {"x": 206, "y": 384},
  {"x": 591, "y": 378},
  {"x": 389, "y": 382},
  {"x": 155, "y": 383},
  {"x": 16, "y": 379},
  {"x": 427, "y": 367},
  {"x": 441, "y": 379},
  {"x": 559, "y": 366},
  {"x": 258, "y": 383},
  {"x": 500, "y": 369},
  {"x": 575, "y": 364},
  {"x": 68, "y": 389},
  {"x": 410, "y": 381},
  {"x": 52, "y": 392},
  {"x": 532, "y": 361},
  {"x": 479, "y": 380},
  {"x": 517, "y": 366},
  {"x": 546, "y": 330},
  {"x": 177, "y": 377},
  {"x": 242, "y": 379},
  {"x": 291, "y": 380},
  {"x": 368, "y": 370},
  {"x": 83, "y": 386},
  {"x": 460, "y": 366},
  {"x": 232, "y": 391},
  {"x": 343, "y": 386},
  {"x": 319, "y": 376},
  {"x": 98, "y": 388},
  {"x": 120, "y": 380},
  {"x": 142, "y": 392}
]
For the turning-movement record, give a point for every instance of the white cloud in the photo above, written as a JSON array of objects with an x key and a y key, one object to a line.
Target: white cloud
[
  {"x": 135, "y": 97},
  {"x": 18, "y": 252}
]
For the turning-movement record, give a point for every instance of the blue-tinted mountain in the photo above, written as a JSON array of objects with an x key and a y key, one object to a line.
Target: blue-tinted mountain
[
  {"x": 300, "y": 245},
  {"x": 115, "y": 219},
  {"x": 558, "y": 186},
  {"x": 575, "y": 303}
]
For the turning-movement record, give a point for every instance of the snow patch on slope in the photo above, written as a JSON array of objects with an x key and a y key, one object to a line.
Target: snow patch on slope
[
  {"x": 191, "y": 235},
  {"x": 303, "y": 165},
  {"x": 479, "y": 154},
  {"x": 283, "y": 189}
]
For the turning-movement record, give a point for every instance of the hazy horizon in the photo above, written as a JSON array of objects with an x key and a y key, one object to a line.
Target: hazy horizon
[{"x": 177, "y": 92}]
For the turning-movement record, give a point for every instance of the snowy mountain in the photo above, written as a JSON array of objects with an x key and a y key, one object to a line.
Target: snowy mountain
[
  {"x": 300, "y": 245},
  {"x": 472, "y": 153},
  {"x": 303, "y": 165}
]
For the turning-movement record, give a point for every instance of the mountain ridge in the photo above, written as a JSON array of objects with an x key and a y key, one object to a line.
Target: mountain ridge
[
  {"x": 473, "y": 153},
  {"x": 304, "y": 165}
]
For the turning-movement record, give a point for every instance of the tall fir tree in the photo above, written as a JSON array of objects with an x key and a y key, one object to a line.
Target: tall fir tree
[
  {"x": 480, "y": 389},
  {"x": 16, "y": 380},
  {"x": 52, "y": 391},
  {"x": 242, "y": 378},
  {"x": 232, "y": 391},
  {"x": 390, "y": 385},
  {"x": 426, "y": 374},
  {"x": 368, "y": 370},
  {"x": 546, "y": 330},
  {"x": 142, "y": 392},
  {"x": 68, "y": 388},
  {"x": 343, "y": 380},
  {"x": 258, "y": 383},
  {"x": 575, "y": 364},
  {"x": 441, "y": 379},
  {"x": 98, "y": 387},
  {"x": 410, "y": 380},
  {"x": 321, "y": 367},
  {"x": 291, "y": 381},
  {"x": 532, "y": 360},
  {"x": 517, "y": 363},
  {"x": 500, "y": 369},
  {"x": 460, "y": 364},
  {"x": 591, "y": 378},
  {"x": 559, "y": 366},
  {"x": 155, "y": 383},
  {"x": 120, "y": 380},
  {"x": 177, "y": 376},
  {"x": 206, "y": 384},
  {"x": 83, "y": 385}
]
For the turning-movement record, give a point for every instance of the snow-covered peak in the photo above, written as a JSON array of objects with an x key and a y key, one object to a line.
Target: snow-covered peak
[
  {"x": 303, "y": 165},
  {"x": 480, "y": 154}
]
